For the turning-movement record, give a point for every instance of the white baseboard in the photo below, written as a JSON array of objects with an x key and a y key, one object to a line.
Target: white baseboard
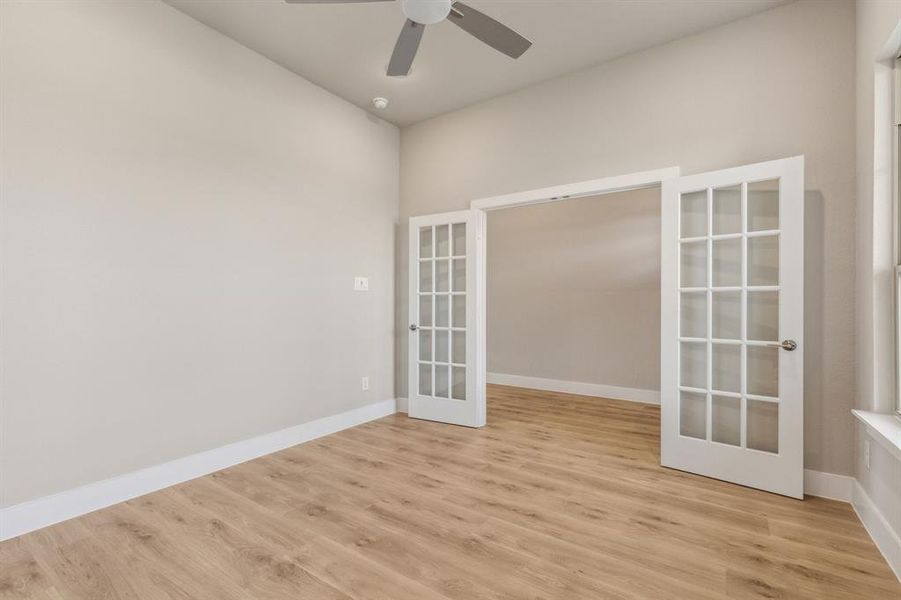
[
  {"x": 576, "y": 387},
  {"x": 828, "y": 485},
  {"x": 879, "y": 529},
  {"x": 22, "y": 518},
  {"x": 35, "y": 514},
  {"x": 403, "y": 405}
]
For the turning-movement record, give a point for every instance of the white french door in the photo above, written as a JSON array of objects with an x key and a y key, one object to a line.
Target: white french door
[
  {"x": 444, "y": 380},
  {"x": 732, "y": 325}
]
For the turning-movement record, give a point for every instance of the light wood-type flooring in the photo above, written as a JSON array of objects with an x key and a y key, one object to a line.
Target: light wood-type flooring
[{"x": 558, "y": 497}]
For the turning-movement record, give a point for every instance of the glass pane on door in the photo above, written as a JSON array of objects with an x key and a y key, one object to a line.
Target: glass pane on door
[
  {"x": 727, "y": 210},
  {"x": 694, "y": 214},
  {"x": 763, "y": 260},
  {"x": 763, "y": 316},
  {"x": 425, "y": 345},
  {"x": 425, "y": 275},
  {"x": 425, "y": 379},
  {"x": 442, "y": 241},
  {"x": 442, "y": 340},
  {"x": 441, "y": 381},
  {"x": 726, "y": 315},
  {"x": 726, "y": 368},
  {"x": 459, "y": 383},
  {"x": 458, "y": 354},
  {"x": 425, "y": 310},
  {"x": 441, "y": 332},
  {"x": 694, "y": 265},
  {"x": 763, "y": 426},
  {"x": 763, "y": 205},
  {"x": 763, "y": 371},
  {"x": 425, "y": 242},
  {"x": 694, "y": 365},
  {"x": 727, "y": 262},
  {"x": 459, "y": 275},
  {"x": 442, "y": 275},
  {"x": 459, "y": 238},
  {"x": 459, "y": 314},
  {"x": 729, "y": 315},
  {"x": 442, "y": 310},
  {"x": 693, "y": 415},
  {"x": 694, "y": 315},
  {"x": 726, "y": 420}
]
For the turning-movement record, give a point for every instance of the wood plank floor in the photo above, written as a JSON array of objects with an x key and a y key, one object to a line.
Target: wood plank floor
[{"x": 559, "y": 497}]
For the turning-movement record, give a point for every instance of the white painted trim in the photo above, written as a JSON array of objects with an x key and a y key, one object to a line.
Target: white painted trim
[
  {"x": 593, "y": 187},
  {"x": 403, "y": 405},
  {"x": 828, "y": 485},
  {"x": 42, "y": 512},
  {"x": 878, "y": 527},
  {"x": 876, "y": 339},
  {"x": 597, "y": 390},
  {"x": 604, "y": 185},
  {"x": 884, "y": 428}
]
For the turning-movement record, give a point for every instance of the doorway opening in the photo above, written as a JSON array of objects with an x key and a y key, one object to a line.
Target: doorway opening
[
  {"x": 731, "y": 317},
  {"x": 447, "y": 371},
  {"x": 573, "y": 296}
]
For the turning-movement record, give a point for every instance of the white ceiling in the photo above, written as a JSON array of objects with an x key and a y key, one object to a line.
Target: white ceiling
[{"x": 345, "y": 47}]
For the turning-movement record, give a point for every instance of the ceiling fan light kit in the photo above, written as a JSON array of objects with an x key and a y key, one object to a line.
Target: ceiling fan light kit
[
  {"x": 426, "y": 12},
  {"x": 421, "y": 13}
]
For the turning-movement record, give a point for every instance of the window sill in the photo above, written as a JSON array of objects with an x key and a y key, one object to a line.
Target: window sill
[{"x": 884, "y": 428}]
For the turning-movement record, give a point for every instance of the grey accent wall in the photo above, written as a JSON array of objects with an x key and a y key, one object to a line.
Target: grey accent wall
[
  {"x": 769, "y": 86},
  {"x": 181, "y": 224}
]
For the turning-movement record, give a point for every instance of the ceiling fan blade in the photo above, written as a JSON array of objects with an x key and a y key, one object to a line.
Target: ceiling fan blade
[
  {"x": 333, "y": 1},
  {"x": 405, "y": 49},
  {"x": 495, "y": 34}
]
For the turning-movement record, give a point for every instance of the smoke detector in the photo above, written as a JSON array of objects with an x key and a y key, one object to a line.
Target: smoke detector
[{"x": 380, "y": 103}]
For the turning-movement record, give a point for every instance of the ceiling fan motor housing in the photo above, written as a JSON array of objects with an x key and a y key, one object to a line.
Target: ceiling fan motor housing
[{"x": 426, "y": 12}]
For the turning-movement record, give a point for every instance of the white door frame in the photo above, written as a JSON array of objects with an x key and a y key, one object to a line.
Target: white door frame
[{"x": 557, "y": 193}]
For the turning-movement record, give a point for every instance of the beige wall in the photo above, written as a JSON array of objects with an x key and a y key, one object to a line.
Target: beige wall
[
  {"x": 772, "y": 85},
  {"x": 181, "y": 224},
  {"x": 574, "y": 290}
]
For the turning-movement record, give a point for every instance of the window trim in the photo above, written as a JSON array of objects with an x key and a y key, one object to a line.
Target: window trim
[
  {"x": 896, "y": 233},
  {"x": 897, "y": 317}
]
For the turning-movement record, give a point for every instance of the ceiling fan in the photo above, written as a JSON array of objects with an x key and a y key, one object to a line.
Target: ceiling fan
[{"x": 420, "y": 13}]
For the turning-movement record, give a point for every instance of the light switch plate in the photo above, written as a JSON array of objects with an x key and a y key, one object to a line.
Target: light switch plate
[
  {"x": 361, "y": 284},
  {"x": 364, "y": 384}
]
